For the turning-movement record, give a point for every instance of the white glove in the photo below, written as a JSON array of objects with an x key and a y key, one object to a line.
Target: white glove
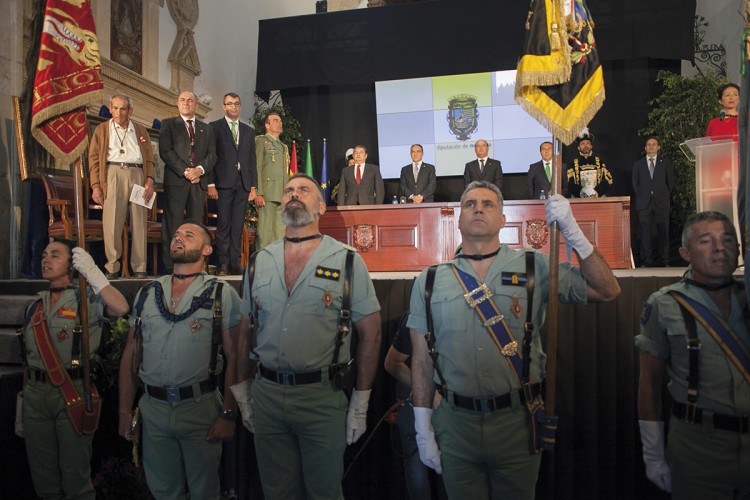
[
  {"x": 589, "y": 192},
  {"x": 84, "y": 264},
  {"x": 244, "y": 399},
  {"x": 429, "y": 453},
  {"x": 657, "y": 470},
  {"x": 558, "y": 209},
  {"x": 19, "y": 414},
  {"x": 356, "y": 419}
]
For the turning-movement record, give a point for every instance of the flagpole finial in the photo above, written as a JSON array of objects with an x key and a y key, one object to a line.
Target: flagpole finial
[
  {"x": 324, "y": 139},
  {"x": 308, "y": 140}
]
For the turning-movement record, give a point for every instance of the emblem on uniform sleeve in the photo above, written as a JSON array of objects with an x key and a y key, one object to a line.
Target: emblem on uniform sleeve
[
  {"x": 536, "y": 233},
  {"x": 327, "y": 273},
  {"x": 645, "y": 312},
  {"x": 364, "y": 237},
  {"x": 514, "y": 279}
]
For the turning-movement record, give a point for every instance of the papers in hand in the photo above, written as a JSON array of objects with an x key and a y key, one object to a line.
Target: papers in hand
[{"x": 136, "y": 196}]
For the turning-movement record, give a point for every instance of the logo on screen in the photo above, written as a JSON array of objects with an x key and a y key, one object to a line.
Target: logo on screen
[{"x": 463, "y": 116}]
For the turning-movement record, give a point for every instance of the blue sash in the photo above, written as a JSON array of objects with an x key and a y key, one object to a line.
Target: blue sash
[{"x": 732, "y": 345}]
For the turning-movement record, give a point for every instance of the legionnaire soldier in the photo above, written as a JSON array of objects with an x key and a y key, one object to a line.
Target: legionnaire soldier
[
  {"x": 272, "y": 159},
  {"x": 479, "y": 305},
  {"x": 695, "y": 332},
  {"x": 298, "y": 295},
  {"x": 180, "y": 325},
  {"x": 58, "y": 441},
  {"x": 589, "y": 177}
]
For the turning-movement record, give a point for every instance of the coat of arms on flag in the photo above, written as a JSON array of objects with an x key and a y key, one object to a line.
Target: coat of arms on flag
[
  {"x": 68, "y": 76},
  {"x": 559, "y": 78}
]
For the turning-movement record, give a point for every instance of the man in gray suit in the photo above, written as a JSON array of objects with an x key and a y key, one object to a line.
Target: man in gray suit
[
  {"x": 361, "y": 184},
  {"x": 188, "y": 149},
  {"x": 418, "y": 181},
  {"x": 483, "y": 168},
  {"x": 653, "y": 182}
]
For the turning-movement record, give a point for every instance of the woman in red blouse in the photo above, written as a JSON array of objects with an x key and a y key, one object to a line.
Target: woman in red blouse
[{"x": 726, "y": 124}]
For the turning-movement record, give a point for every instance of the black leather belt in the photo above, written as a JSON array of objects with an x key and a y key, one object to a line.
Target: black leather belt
[
  {"x": 496, "y": 403},
  {"x": 290, "y": 378},
  {"x": 721, "y": 422},
  {"x": 177, "y": 394},
  {"x": 125, "y": 165},
  {"x": 41, "y": 375}
]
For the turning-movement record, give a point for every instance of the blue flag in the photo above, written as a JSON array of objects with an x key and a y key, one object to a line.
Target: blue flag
[{"x": 324, "y": 175}]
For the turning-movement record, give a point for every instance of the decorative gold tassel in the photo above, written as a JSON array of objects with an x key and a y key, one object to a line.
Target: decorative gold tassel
[{"x": 554, "y": 38}]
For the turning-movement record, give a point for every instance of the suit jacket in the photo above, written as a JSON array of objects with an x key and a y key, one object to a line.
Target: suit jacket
[
  {"x": 272, "y": 159},
  {"x": 370, "y": 191},
  {"x": 174, "y": 149},
  {"x": 536, "y": 180},
  {"x": 228, "y": 155},
  {"x": 493, "y": 172},
  {"x": 425, "y": 184},
  {"x": 658, "y": 189},
  {"x": 99, "y": 150}
]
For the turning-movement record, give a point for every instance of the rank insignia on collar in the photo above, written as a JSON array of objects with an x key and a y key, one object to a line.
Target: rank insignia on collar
[
  {"x": 328, "y": 274},
  {"x": 514, "y": 279},
  {"x": 66, "y": 312},
  {"x": 327, "y": 298},
  {"x": 62, "y": 335},
  {"x": 516, "y": 307}
]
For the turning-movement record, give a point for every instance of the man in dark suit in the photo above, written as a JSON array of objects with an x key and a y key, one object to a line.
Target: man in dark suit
[
  {"x": 418, "y": 181},
  {"x": 483, "y": 168},
  {"x": 653, "y": 182},
  {"x": 232, "y": 183},
  {"x": 188, "y": 149},
  {"x": 540, "y": 173},
  {"x": 361, "y": 184}
]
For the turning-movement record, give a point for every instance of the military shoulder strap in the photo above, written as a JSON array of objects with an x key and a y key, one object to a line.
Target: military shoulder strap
[
  {"x": 528, "y": 326},
  {"x": 345, "y": 315},
  {"x": 249, "y": 276},
  {"x": 430, "y": 336},
  {"x": 216, "y": 335}
]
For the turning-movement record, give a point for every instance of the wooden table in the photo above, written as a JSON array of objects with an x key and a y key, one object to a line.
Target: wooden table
[{"x": 413, "y": 236}]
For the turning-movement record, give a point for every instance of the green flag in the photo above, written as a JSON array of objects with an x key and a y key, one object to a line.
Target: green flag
[{"x": 308, "y": 161}]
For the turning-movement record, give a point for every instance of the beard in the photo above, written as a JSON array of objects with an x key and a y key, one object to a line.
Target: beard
[
  {"x": 185, "y": 256},
  {"x": 296, "y": 214}
]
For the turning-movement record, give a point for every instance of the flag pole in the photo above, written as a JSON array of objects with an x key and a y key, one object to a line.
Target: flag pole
[
  {"x": 83, "y": 313},
  {"x": 554, "y": 260}
]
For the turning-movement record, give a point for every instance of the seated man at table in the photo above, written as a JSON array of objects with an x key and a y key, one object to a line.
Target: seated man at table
[{"x": 418, "y": 181}]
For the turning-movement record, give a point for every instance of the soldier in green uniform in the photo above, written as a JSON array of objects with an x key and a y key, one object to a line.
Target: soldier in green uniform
[
  {"x": 482, "y": 423},
  {"x": 588, "y": 177},
  {"x": 301, "y": 418},
  {"x": 695, "y": 332},
  {"x": 272, "y": 159},
  {"x": 60, "y": 458},
  {"x": 184, "y": 418}
]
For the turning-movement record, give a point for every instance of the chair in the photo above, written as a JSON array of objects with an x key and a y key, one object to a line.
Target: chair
[{"x": 61, "y": 203}]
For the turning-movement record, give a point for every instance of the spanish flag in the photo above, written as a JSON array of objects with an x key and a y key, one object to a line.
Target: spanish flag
[
  {"x": 559, "y": 78},
  {"x": 68, "y": 77}
]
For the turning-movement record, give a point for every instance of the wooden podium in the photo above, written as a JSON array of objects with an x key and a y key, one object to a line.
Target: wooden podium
[{"x": 413, "y": 236}]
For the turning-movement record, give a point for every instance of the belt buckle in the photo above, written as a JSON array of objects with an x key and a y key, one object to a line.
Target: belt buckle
[
  {"x": 173, "y": 394},
  {"x": 691, "y": 409},
  {"x": 286, "y": 378},
  {"x": 485, "y": 291},
  {"x": 483, "y": 404}
]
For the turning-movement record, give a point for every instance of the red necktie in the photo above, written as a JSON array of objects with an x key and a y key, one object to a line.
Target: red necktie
[
  {"x": 191, "y": 133},
  {"x": 359, "y": 174}
]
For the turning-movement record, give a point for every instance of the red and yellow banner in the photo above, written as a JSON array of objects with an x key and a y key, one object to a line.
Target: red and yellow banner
[{"x": 68, "y": 76}]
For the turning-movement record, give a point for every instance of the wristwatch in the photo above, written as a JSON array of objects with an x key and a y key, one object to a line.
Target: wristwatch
[{"x": 227, "y": 415}]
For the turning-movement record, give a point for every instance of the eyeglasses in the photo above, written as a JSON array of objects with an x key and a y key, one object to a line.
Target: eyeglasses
[{"x": 232, "y": 104}]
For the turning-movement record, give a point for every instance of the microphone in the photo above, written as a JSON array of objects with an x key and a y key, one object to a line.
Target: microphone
[{"x": 722, "y": 115}]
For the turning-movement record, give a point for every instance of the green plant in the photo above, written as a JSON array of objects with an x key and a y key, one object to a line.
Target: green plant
[
  {"x": 112, "y": 352},
  {"x": 682, "y": 112}
]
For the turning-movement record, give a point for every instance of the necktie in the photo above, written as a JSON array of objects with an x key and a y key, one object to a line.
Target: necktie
[
  {"x": 234, "y": 132},
  {"x": 416, "y": 171},
  {"x": 191, "y": 133},
  {"x": 651, "y": 167},
  {"x": 481, "y": 166},
  {"x": 548, "y": 171},
  {"x": 359, "y": 174}
]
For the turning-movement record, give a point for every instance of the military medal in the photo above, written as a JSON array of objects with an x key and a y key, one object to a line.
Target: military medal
[
  {"x": 516, "y": 307},
  {"x": 62, "y": 335},
  {"x": 327, "y": 298},
  {"x": 273, "y": 157},
  {"x": 195, "y": 325}
]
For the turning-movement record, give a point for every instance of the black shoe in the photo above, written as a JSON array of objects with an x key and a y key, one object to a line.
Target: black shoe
[
  {"x": 236, "y": 270},
  {"x": 112, "y": 276},
  {"x": 140, "y": 276},
  {"x": 223, "y": 270}
]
